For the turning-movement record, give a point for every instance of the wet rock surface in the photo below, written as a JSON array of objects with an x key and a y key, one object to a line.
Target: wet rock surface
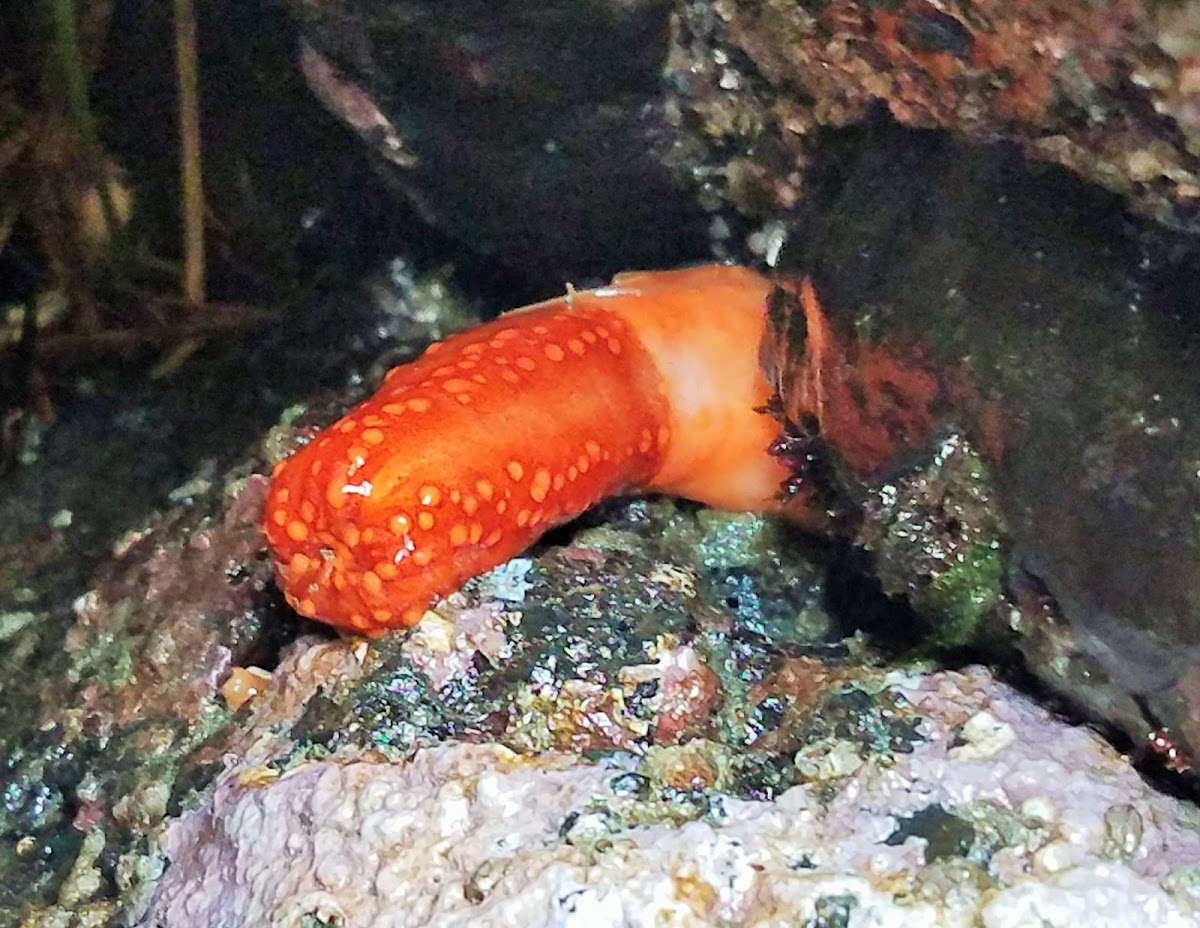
[
  {"x": 572, "y": 135},
  {"x": 125, "y": 616},
  {"x": 1052, "y": 488},
  {"x": 1108, "y": 91},
  {"x": 536, "y": 133}
]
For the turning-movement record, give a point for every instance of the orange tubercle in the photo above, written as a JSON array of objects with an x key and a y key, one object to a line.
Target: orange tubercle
[{"x": 468, "y": 454}]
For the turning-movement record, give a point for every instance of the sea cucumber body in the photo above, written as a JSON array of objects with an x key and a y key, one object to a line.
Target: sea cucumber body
[{"x": 468, "y": 454}]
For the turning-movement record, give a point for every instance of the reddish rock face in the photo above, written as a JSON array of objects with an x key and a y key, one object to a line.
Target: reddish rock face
[{"x": 1001, "y": 372}]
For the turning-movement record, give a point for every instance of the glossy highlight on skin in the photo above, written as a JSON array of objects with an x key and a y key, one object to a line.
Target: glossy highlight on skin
[{"x": 465, "y": 456}]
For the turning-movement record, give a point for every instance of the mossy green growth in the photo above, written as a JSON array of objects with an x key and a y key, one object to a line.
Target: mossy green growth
[
  {"x": 940, "y": 540},
  {"x": 961, "y": 598}
]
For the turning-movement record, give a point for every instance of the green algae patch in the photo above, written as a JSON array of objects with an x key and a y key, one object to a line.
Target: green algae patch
[{"x": 966, "y": 595}]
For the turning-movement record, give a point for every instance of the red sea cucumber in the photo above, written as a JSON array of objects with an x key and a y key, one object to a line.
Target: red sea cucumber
[{"x": 468, "y": 454}]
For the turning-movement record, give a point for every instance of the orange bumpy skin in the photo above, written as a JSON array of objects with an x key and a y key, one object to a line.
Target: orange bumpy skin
[{"x": 468, "y": 454}]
